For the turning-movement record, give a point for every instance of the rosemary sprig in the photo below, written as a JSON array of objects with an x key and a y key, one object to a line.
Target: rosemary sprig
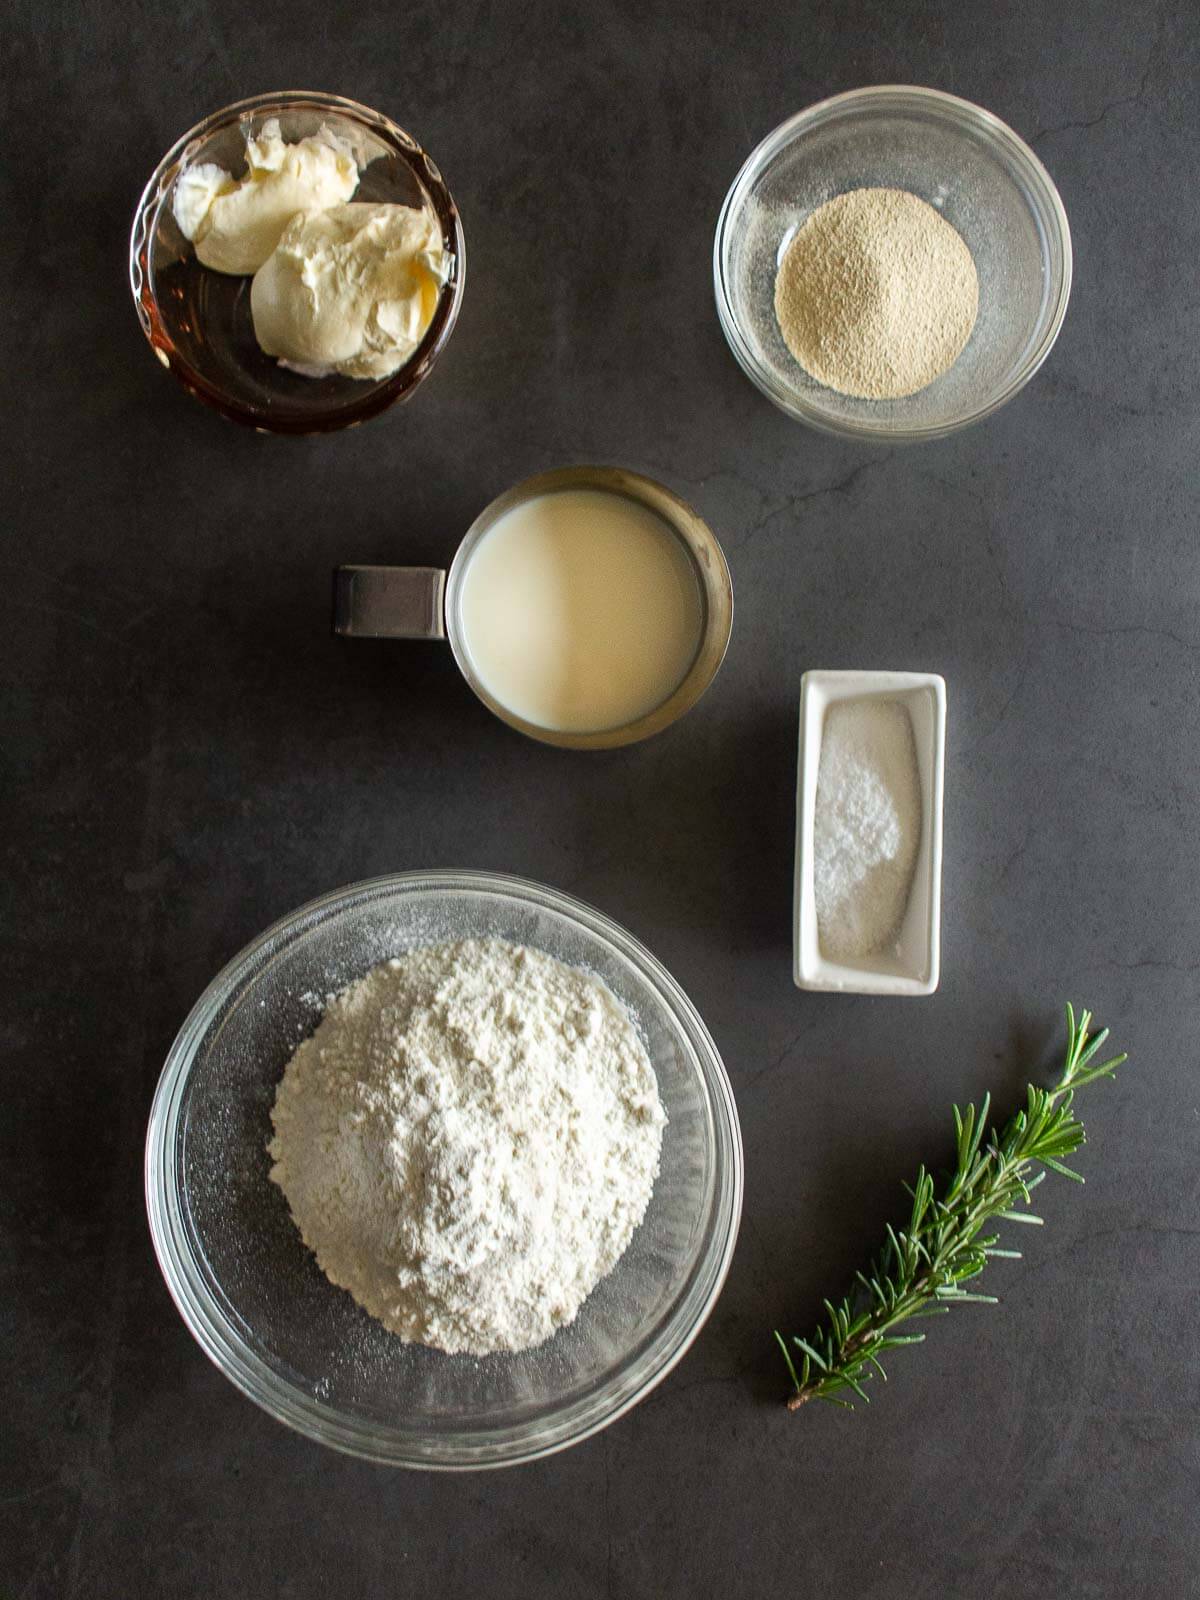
[{"x": 921, "y": 1270}]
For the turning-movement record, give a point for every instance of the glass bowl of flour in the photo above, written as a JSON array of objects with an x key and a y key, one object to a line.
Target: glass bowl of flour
[
  {"x": 253, "y": 1294},
  {"x": 977, "y": 175}
]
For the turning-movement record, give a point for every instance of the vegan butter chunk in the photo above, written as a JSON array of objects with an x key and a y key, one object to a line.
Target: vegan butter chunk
[
  {"x": 351, "y": 289},
  {"x": 235, "y": 223}
]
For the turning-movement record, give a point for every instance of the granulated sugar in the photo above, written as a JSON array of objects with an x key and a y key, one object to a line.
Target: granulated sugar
[{"x": 867, "y": 826}]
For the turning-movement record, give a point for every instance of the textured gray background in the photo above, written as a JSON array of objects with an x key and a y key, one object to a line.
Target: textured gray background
[{"x": 188, "y": 755}]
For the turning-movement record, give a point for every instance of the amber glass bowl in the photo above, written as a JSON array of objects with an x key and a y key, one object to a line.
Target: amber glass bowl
[{"x": 198, "y": 321}]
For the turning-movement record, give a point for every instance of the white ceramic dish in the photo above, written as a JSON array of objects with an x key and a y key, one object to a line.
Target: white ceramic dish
[{"x": 914, "y": 966}]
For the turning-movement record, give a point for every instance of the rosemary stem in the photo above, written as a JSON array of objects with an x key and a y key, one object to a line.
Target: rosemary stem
[{"x": 921, "y": 1268}]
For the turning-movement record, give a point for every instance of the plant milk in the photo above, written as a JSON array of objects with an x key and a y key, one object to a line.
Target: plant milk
[{"x": 581, "y": 610}]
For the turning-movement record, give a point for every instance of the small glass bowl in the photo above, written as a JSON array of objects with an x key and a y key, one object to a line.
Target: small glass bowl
[
  {"x": 253, "y": 1295},
  {"x": 198, "y": 321},
  {"x": 981, "y": 177}
]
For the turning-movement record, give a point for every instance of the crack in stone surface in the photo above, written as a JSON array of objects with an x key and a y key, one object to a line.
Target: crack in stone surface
[
  {"x": 790, "y": 502},
  {"x": 1137, "y": 98},
  {"x": 765, "y": 1072},
  {"x": 1093, "y": 632}
]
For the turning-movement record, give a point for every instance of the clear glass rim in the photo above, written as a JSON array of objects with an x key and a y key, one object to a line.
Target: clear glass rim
[
  {"x": 402, "y": 383},
  {"x": 1051, "y": 216},
  {"x": 392, "y": 1445}
]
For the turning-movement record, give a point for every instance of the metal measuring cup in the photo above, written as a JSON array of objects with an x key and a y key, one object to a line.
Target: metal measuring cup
[{"x": 426, "y": 602}]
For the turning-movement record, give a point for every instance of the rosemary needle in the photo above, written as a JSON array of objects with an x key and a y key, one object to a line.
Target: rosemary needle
[{"x": 922, "y": 1269}]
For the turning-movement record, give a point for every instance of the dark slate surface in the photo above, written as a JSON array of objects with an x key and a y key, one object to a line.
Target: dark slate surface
[{"x": 189, "y": 755}]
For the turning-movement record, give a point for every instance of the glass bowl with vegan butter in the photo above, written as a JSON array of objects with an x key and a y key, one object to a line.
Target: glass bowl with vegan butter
[
  {"x": 199, "y": 320},
  {"x": 588, "y": 607}
]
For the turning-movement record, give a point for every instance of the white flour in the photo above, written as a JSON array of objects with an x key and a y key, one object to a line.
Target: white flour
[
  {"x": 468, "y": 1141},
  {"x": 866, "y": 827}
]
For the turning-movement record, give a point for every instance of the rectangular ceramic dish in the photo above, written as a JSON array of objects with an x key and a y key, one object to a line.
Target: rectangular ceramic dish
[{"x": 913, "y": 967}]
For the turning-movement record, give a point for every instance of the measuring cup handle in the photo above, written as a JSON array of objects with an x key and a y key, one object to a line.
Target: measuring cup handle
[{"x": 389, "y": 602}]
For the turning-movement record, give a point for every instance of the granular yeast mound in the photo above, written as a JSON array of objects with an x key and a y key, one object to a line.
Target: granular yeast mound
[{"x": 877, "y": 294}]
